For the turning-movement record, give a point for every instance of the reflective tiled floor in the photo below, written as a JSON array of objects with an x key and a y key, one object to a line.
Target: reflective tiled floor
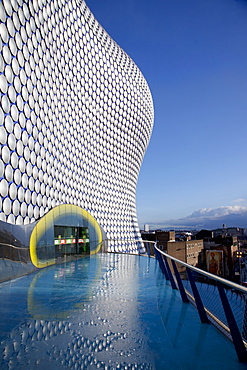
[{"x": 105, "y": 312}]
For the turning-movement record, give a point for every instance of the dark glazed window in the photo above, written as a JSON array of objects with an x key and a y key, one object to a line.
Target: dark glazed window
[{"x": 71, "y": 240}]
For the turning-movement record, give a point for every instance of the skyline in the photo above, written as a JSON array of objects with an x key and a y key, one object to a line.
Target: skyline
[{"x": 193, "y": 57}]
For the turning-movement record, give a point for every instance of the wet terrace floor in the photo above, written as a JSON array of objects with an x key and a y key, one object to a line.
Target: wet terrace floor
[{"x": 109, "y": 311}]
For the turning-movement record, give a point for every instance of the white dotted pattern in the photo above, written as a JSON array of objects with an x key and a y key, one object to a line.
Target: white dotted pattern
[{"x": 76, "y": 116}]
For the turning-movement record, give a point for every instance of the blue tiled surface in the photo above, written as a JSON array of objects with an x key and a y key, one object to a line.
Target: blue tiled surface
[{"x": 105, "y": 312}]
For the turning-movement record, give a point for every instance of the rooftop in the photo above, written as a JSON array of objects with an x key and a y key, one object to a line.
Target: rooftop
[{"x": 109, "y": 311}]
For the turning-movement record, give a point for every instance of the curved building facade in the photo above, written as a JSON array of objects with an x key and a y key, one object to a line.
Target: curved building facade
[{"x": 76, "y": 117}]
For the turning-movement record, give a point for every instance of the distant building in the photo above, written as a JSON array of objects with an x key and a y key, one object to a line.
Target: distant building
[
  {"x": 183, "y": 235},
  {"x": 146, "y": 227},
  {"x": 187, "y": 251},
  {"x": 220, "y": 240},
  {"x": 163, "y": 237},
  {"x": 229, "y": 246},
  {"x": 230, "y": 231},
  {"x": 205, "y": 234},
  {"x": 148, "y": 235}
]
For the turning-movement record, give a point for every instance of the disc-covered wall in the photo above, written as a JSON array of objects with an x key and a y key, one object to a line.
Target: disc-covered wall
[{"x": 76, "y": 115}]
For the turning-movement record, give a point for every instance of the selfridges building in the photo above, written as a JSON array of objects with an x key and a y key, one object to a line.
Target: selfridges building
[{"x": 75, "y": 120}]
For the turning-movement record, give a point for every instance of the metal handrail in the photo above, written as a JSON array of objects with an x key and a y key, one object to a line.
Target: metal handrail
[
  {"x": 14, "y": 246},
  {"x": 14, "y": 253}
]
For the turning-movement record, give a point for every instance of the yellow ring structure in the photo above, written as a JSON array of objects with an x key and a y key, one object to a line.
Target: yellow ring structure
[{"x": 50, "y": 218}]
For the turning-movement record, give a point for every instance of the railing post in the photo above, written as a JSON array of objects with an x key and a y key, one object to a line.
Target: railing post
[
  {"x": 173, "y": 284},
  {"x": 148, "y": 249},
  {"x": 199, "y": 304},
  {"x": 180, "y": 284},
  {"x": 139, "y": 247},
  {"x": 161, "y": 263},
  {"x": 236, "y": 336},
  {"x": 244, "y": 327}
]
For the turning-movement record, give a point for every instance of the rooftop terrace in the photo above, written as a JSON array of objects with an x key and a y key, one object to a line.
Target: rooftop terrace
[{"x": 108, "y": 311}]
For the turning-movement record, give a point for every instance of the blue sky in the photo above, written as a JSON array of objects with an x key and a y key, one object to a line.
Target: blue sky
[{"x": 193, "y": 54}]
